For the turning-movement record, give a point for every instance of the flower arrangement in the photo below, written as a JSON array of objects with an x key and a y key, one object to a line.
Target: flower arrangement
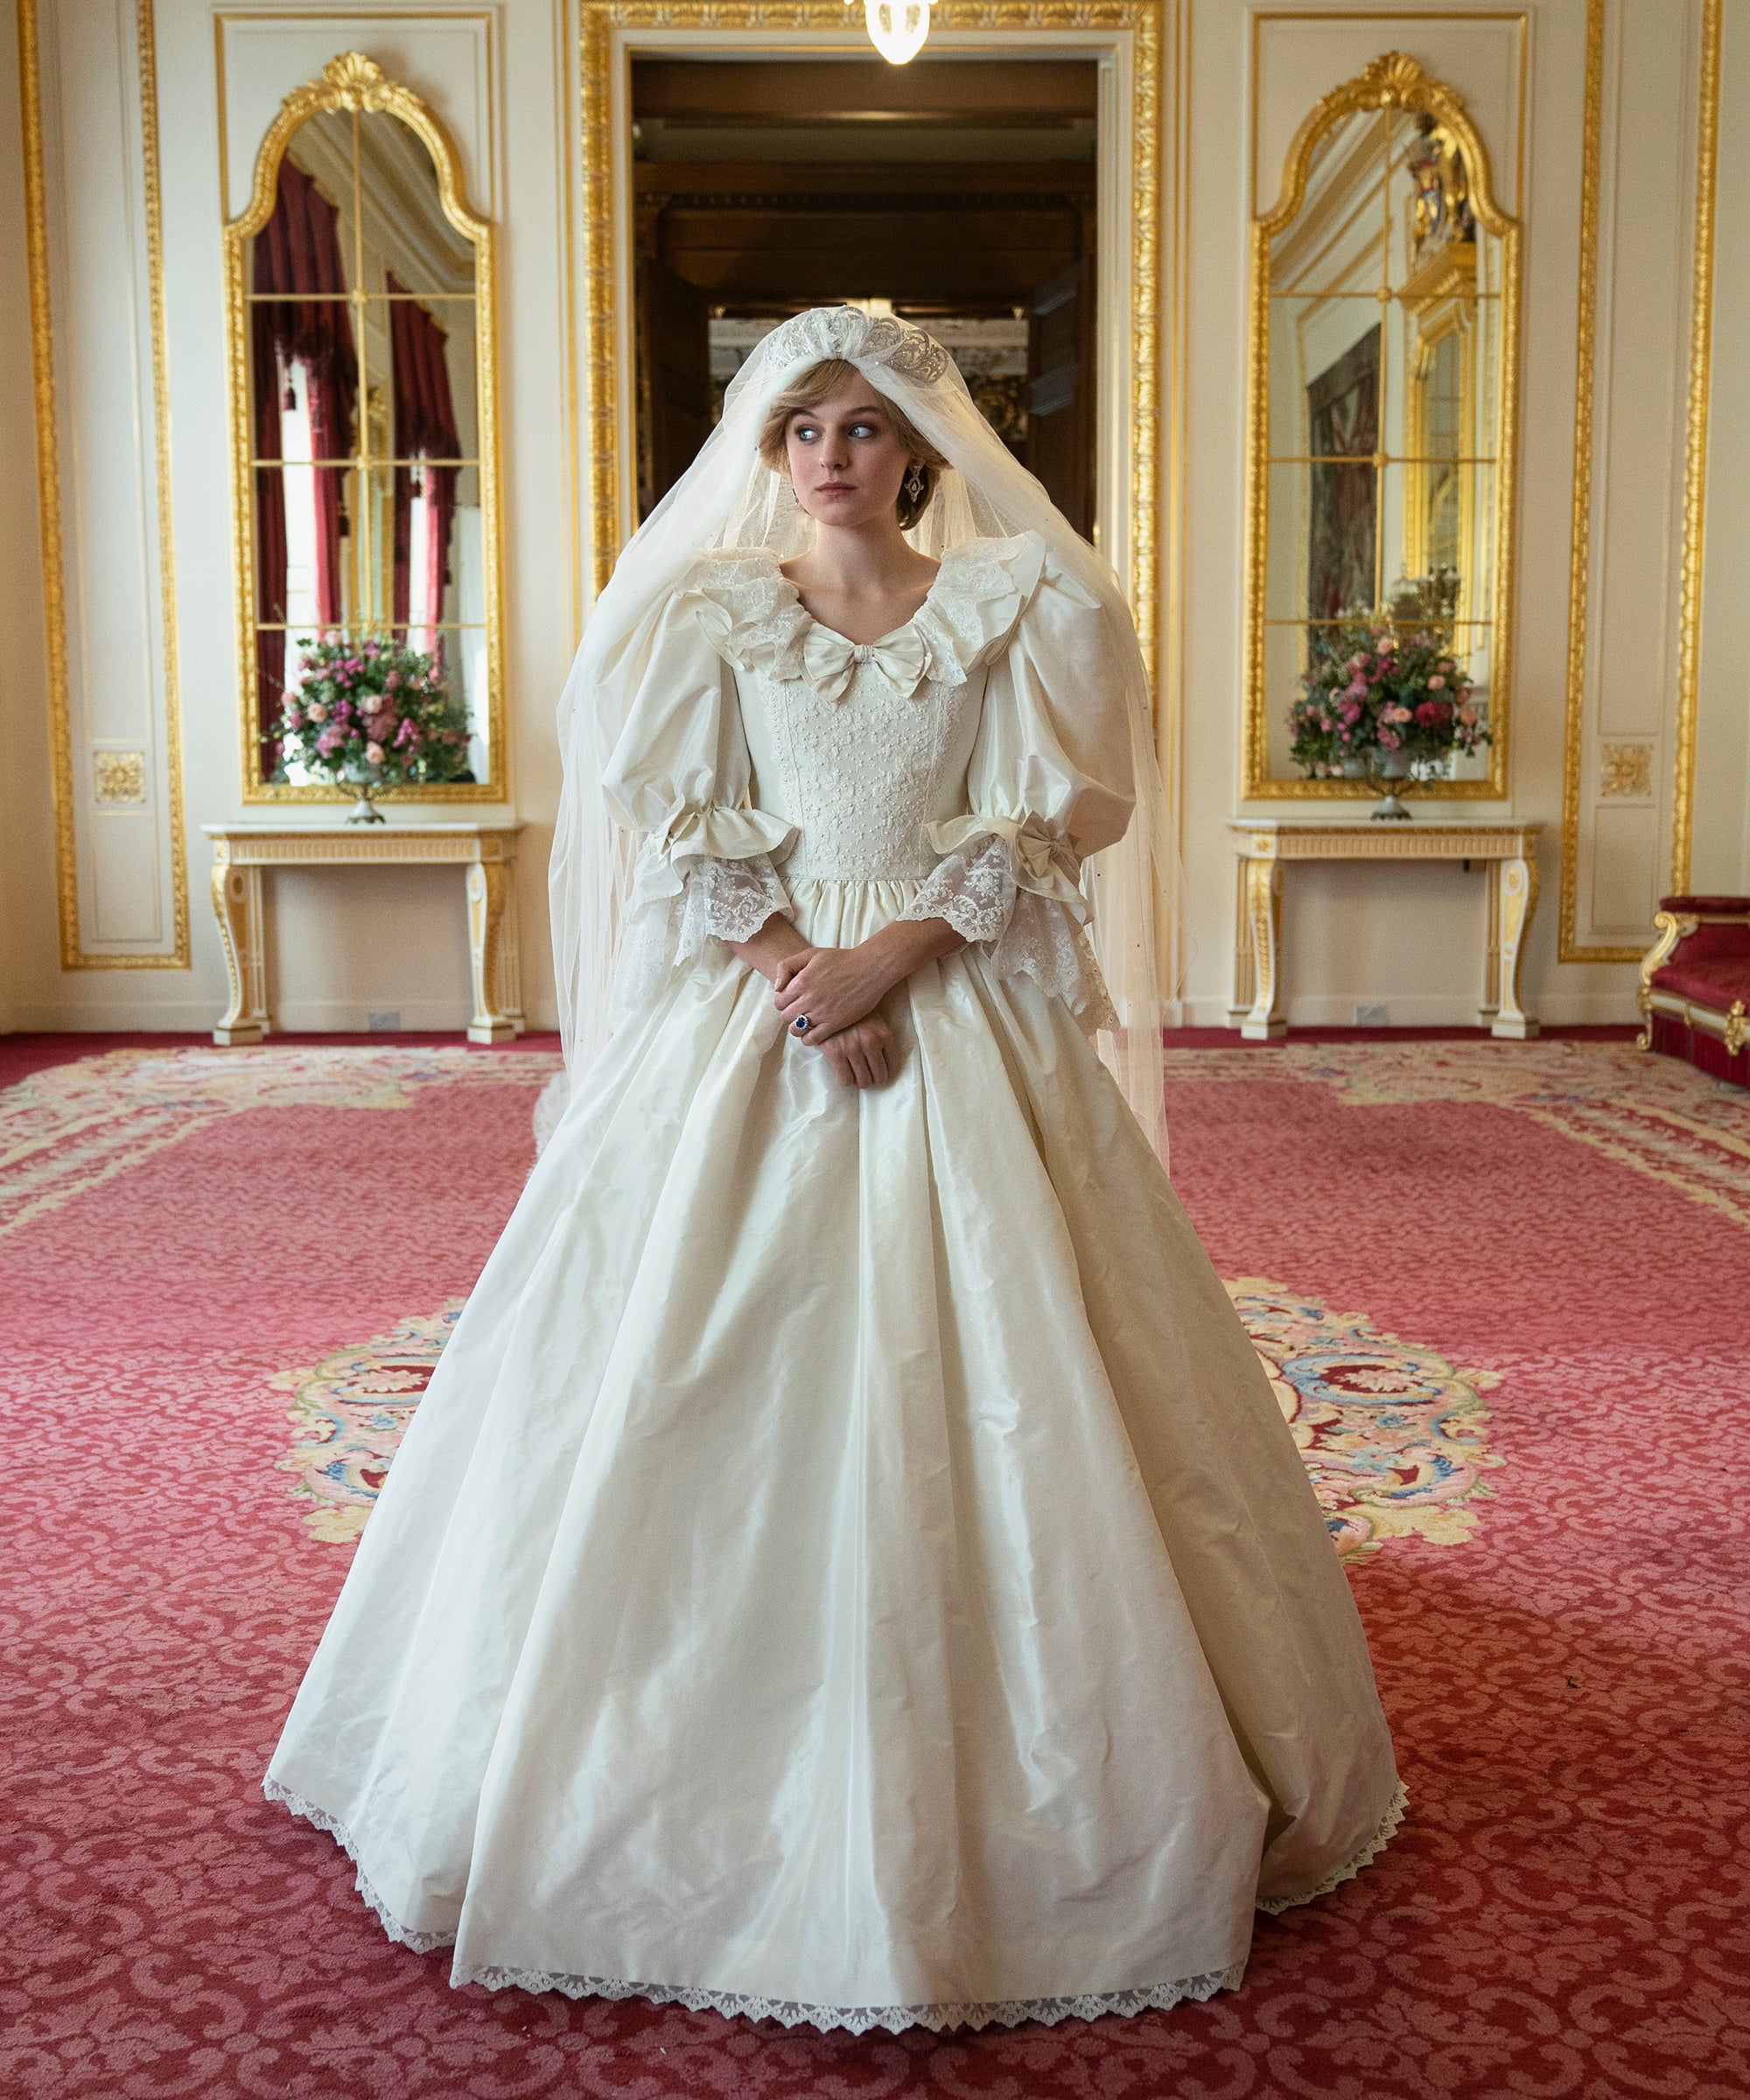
[
  {"x": 371, "y": 713},
  {"x": 1372, "y": 690}
]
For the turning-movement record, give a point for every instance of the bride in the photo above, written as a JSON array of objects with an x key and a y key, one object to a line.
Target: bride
[{"x": 849, "y": 1565}]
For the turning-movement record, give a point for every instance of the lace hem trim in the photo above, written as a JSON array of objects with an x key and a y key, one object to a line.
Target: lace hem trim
[
  {"x": 856, "y": 2020},
  {"x": 1384, "y": 1831},
  {"x": 421, "y": 1942}
]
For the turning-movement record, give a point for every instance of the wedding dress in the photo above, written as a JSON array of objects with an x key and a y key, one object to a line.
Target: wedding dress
[{"x": 849, "y": 1565}]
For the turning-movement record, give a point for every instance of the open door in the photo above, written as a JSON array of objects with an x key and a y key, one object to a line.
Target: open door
[
  {"x": 673, "y": 379},
  {"x": 1060, "y": 408}
]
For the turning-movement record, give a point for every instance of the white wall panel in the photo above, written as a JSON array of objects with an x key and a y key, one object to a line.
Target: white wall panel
[
  {"x": 1720, "y": 850},
  {"x": 1646, "y": 211},
  {"x": 117, "y": 700}
]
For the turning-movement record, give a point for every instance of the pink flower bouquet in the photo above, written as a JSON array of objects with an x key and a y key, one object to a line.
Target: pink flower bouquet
[
  {"x": 1370, "y": 689},
  {"x": 372, "y": 712}
]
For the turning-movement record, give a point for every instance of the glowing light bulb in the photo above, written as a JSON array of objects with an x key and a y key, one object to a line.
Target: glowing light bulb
[{"x": 897, "y": 28}]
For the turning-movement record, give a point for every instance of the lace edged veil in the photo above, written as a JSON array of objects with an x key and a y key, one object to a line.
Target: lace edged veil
[{"x": 729, "y": 498}]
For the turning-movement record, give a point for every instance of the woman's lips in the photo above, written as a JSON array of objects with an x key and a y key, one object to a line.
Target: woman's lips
[{"x": 836, "y": 488}]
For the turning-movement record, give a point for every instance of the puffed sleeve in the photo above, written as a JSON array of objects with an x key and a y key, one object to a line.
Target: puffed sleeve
[
  {"x": 1049, "y": 783},
  {"x": 680, "y": 775}
]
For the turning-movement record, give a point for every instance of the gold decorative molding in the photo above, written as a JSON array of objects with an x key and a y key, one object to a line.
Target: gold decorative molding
[
  {"x": 1625, "y": 769},
  {"x": 1569, "y": 948},
  {"x": 1143, "y": 20},
  {"x": 118, "y": 778},
  {"x": 355, "y": 81},
  {"x": 1392, "y": 81},
  {"x": 1695, "y": 449},
  {"x": 1579, "y": 544},
  {"x": 73, "y": 953},
  {"x": 146, "y": 43},
  {"x": 48, "y": 485}
]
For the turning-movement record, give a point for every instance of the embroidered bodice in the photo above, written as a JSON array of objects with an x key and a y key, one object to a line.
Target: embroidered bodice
[
  {"x": 763, "y": 752},
  {"x": 862, "y": 746}
]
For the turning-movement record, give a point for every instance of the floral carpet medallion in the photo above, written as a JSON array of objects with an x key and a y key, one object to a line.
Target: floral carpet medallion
[
  {"x": 351, "y": 1413},
  {"x": 1390, "y": 1432}
]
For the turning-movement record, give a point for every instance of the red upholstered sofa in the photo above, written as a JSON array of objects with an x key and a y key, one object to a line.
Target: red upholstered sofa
[{"x": 1695, "y": 985}]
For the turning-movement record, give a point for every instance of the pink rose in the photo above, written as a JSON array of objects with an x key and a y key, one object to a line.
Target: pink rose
[
  {"x": 393, "y": 680},
  {"x": 329, "y": 740},
  {"x": 373, "y": 755},
  {"x": 1467, "y": 715},
  {"x": 1388, "y": 740},
  {"x": 318, "y": 711},
  {"x": 1436, "y": 682}
]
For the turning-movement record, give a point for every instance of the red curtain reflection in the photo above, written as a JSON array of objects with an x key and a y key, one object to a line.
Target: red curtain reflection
[
  {"x": 298, "y": 268},
  {"x": 425, "y": 429}
]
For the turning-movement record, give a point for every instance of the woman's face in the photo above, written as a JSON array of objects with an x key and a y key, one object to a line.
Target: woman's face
[{"x": 846, "y": 463}]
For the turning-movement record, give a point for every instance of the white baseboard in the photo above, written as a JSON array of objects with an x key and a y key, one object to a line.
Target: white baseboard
[
  {"x": 350, "y": 1016},
  {"x": 1426, "y": 1010},
  {"x": 116, "y": 1017}
]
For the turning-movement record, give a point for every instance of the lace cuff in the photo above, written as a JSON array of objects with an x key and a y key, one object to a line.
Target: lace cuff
[
  {"x": 714, "y": 899},
  {"x": 1039, "y": 853},
  {"x": 976, "y": 891},
  {"x": 973, "y": 889}
]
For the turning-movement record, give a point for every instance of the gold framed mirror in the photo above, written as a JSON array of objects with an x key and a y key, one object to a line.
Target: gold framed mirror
[
  {"x": 1133, "y": 468},
  {"x": 1382, "y": 412},
  {"x": 360, "y": 328}
]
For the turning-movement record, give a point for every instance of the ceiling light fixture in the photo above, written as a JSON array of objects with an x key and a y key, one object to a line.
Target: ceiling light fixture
[{"x": 897, "y": 28}]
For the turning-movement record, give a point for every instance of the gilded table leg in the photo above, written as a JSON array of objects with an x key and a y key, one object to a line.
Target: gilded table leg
[
  {"x": 488, "y": 887},
  {"x": 1261, "y": 899},
  {"x": 237, "y": 907},
  {"x": 1513, "y": 897}
]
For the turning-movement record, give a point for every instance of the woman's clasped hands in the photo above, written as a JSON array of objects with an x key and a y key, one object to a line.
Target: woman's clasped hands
[{"x": 837, "y": 990}]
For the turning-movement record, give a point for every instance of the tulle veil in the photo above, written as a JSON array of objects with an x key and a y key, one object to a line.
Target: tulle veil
[{"x": 729, "y": 498}]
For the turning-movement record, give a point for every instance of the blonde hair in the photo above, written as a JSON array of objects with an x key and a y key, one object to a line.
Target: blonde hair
[{"x": 820, "y": 382}]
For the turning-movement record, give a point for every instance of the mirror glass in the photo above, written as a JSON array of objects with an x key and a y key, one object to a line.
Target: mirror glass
[
  {"x": 365, "y": 440},
  {"x": 1384, "y": 410},
  {"x": 961, "y": 194}
]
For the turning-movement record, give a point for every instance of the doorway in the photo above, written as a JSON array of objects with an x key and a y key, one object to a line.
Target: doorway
[{"x": 961, "y": 194}]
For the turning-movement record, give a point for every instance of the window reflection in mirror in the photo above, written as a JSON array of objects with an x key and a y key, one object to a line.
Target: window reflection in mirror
[
  {"x": 365, "y": 420},
  {"x": 1382, "y": 422}
]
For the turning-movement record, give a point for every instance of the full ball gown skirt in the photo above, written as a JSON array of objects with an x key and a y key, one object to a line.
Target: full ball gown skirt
[{"x": 849, "y": 1564}]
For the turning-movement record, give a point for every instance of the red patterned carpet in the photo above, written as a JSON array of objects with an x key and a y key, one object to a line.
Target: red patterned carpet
[{"x": 1502, "y": 1290}]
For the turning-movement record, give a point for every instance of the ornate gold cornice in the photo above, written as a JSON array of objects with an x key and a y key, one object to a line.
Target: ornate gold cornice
[
  {"x": 355, "y": 81},
  {"x": 1142, "y": 19},
  {"x": 1695, "y": 449},
  {"x": 1392, "y": 81}
]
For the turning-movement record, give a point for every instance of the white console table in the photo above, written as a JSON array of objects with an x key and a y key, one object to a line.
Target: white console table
[
  {"x": 242, "y": 851},
  {"x": 1265, "y": 847}
]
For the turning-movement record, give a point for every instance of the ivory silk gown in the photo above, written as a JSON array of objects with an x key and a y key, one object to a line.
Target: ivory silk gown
[{"x": 849, "y": 1564}]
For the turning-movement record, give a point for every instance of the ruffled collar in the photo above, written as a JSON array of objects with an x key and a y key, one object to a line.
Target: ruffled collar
[{"x": 754, "y": 617}]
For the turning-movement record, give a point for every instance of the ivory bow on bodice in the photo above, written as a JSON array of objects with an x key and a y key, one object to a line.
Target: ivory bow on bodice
[{"x": 830, "y": 661}]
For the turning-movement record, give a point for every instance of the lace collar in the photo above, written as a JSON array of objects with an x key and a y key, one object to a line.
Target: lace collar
[{"x": 754, "y": 617}]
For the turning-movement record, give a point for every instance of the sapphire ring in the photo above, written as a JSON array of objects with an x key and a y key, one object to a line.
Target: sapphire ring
[{"x": 802, "y": 1024}]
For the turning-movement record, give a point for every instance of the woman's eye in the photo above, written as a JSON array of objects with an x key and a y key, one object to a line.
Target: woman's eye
[
  {"x": 865, "y": 429},
  {"x": 806, "y": 431}
]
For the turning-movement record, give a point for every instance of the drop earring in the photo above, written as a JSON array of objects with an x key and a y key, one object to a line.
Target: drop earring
[{"x": 915, "y": 482}]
